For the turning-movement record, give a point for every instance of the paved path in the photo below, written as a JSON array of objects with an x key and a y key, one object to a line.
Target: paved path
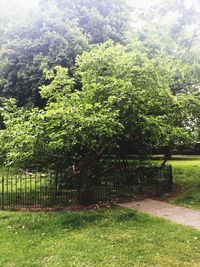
[{"x": 171, "y": 212}]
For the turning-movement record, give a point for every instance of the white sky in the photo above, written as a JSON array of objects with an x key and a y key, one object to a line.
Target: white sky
[
  {"x": 148, "y": 3},
  {"x": 145, "y": 3},
  {"x": 20, "y": 3},
  {"x": 28, "y": 3},
  {"x": 31, "y": 4},
  {"x": 139, "y": 3}
]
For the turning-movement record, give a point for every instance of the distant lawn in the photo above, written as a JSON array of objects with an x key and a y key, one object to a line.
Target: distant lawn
[
  {"x": 112, "y": 238},
  {"x": 186, "y": 173}
]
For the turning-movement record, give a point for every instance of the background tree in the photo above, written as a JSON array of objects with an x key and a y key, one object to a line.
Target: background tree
[
  {"x": 171, "y": 30},
  {"x": 52, "y": 35},
  {"x": 99, "y": 20},
  {"x": 43, "y": 41}
]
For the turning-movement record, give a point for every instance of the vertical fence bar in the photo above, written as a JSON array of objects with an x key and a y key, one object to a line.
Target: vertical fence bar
[
  {"x": 11, "y": 192},
  {"x": 29, "y": 190},
  {"x": 157, "y": 185},
  {"x": 25, "y": 192},
  {"x": 20, "y": 190},
  {"x": 7, "y": 191},
  {"x": 2, "y": 199},
  {"x": 16, "y": 197},
  {"x": 170, "y": 178},
  {"x": 40, "y": 192},
  {"x": 56, "y": 189},
  {"x": 36, "y": 193}
]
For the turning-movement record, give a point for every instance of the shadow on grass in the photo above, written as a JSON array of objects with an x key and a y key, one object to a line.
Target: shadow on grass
[{"x": 53, "y": 222}]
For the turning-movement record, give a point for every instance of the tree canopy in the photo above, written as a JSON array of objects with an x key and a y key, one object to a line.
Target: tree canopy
[
  {"x": 77, "y": 83},
  {"x": 99, "y": 20},
  {"x": 125, "y": 96}
]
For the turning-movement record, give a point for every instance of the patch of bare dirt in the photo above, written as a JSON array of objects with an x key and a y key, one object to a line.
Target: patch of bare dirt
[{"x": 177, "y": 191}]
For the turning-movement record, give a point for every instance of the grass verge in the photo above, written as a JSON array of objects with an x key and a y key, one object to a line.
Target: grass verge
[
  {"x": 186, "y": 173},
  {"x": 114, "y": 237}
]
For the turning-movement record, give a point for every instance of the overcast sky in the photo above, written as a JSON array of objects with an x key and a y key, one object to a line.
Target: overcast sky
[
  {"x": 145, "y": 4},
  {"x": 32, "y": 3},
  {"x": 20, "y": 3},
  {"x": 140, "y": 3}
]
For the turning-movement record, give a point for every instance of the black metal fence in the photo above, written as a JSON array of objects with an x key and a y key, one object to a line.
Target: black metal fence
[{"x": 48, "y": 190}]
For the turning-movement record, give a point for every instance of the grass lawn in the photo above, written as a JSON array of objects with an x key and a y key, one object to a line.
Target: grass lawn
[
  {"x": 186, "y": 173},
  {"x": 111, "y": 238},
  {"x": 115, "y": 237}
]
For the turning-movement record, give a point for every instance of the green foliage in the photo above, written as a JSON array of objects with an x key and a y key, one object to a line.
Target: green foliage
[
  {"x": 99, "y": 20},
  {"x": 49, "y": 36},
  {"x": 125, "y": 96},
  {"x": 59, "y": 30},
  {"x": 45, "y": 40},
  {"x": 170, "y": 28}
]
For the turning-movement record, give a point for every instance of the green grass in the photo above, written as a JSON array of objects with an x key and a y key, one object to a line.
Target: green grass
[
  {"x": 186, "y": 173},
  {"x": 112, "y": 238}
]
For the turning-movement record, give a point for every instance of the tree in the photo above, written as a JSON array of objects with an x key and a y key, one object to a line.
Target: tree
[
  {"x": 52, "y": 35},
  {"x": 99, "y": 20},
  {"x": 171, "y": 30},
  {"x": 125, "y": 96},
  {"x": 43, "y": 41}
]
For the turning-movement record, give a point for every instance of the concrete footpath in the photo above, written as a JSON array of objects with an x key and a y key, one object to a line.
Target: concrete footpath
[{"x": 171, "y": 212}]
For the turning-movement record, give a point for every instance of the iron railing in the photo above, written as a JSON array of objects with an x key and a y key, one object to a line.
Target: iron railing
[{"x": 48, "y": 190}]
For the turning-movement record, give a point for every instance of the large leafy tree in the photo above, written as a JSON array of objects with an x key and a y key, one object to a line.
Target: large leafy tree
[{"x": 125, "y": 96}]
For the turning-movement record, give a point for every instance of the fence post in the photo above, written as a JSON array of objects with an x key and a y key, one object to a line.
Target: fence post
[
  {"x": 170, "y": 178},
  {"x": 81, "y": 187},
  {"x": 56, "y": 189},
  {"x": 157, "y": 183},
  {"x": 2, "y": 193}
]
